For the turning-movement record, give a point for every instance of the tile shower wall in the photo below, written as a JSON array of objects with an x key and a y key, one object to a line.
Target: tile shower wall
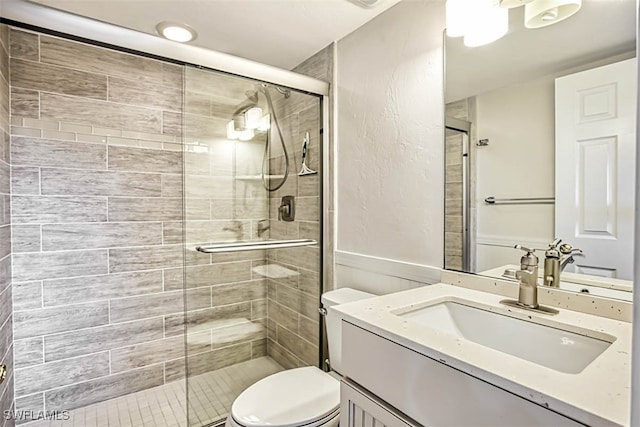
[
  {"x": 294, "y": 297},
  {"x": 223, "y": 201},
  {"x": 6, "y": 307},
  {"x": 96, "y": 194},
  {"x": 97, "y": 203},
  {"x": 453, "y": 249}
]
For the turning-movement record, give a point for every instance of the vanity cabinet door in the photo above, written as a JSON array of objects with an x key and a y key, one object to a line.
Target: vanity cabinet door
[
  {"x": 360, "y": 409},
  {"x": 432, "y": 393}
]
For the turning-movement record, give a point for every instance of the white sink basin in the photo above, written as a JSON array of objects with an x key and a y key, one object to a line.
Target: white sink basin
[{"x": 564, "y": 351}]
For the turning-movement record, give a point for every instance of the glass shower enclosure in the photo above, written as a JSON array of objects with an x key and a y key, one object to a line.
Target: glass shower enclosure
[
  {"x": 252, "y": 154},
  {"x": 116, "y": 178}
]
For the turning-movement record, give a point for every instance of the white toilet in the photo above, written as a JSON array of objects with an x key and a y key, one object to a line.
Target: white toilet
[{"x": 306, "y": 396}]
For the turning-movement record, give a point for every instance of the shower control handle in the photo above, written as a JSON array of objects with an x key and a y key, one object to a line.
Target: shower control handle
[{"x": 287, "y": 209}]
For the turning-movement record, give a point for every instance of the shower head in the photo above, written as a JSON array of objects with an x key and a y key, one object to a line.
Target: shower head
[
  {"x": 252, "y": 95},
  {"x": 250, "y": 102},
  {"x": 262, "y": 87}
]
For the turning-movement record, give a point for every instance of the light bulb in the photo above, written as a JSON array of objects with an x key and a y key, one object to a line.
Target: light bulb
[
  {"x": 489, "y": 23},
  {"x": 265, "y": 123},
  {"x": 457, "y": 17},
  {"x": 252, "y": 117},
  {"x": 176, "y": 31},
  {"x": 540, "y": 13},
  {"x": 231, "y": 131},
  {"x": 246, "y": 135}
]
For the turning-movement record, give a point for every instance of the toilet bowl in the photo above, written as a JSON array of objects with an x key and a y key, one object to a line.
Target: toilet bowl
[{"x": 304, "y": 396}]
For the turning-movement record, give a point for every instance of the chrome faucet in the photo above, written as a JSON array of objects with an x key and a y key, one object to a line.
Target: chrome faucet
[
  {"x": 528, "y": 287},
  {"x": 557, "y": 257},
  {"x": 528, "y": 277}
]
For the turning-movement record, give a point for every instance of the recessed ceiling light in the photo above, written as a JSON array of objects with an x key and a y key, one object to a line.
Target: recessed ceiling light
[
  {"x": 367, "y": 4},
  {"x": 176, "y": 31}
]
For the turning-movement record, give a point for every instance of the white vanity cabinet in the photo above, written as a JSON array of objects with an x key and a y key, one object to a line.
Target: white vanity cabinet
[
  {"x": 388, "y": 384},
  {"x": 358, "y": 408}
]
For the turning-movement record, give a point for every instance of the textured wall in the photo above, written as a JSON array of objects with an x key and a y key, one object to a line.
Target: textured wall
[
  {"x": 96, "y": 191},
  {"x": 390, "y": 136},
  {"x": 6, "y": 307}
]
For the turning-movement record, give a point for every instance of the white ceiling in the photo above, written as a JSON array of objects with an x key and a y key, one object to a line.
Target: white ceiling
[
  {"x": 601, "y": 29},
  {"x": 281, "y": 33}
]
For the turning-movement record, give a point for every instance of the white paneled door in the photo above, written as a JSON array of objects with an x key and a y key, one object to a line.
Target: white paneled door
[{"x": 595, "y": 167}]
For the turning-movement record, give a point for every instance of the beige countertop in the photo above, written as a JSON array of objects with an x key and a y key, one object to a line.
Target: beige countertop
[
  {"x": 599, "y": 395},
  {"x": 575, "y": 278}
]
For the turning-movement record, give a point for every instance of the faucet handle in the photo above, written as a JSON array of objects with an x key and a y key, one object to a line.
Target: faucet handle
[
  {"x": 528, "y": 260},
  {"x": 567, "y": 249},
  {"x": 555, "y": 243},
  {"x": 524, "y": 248}
]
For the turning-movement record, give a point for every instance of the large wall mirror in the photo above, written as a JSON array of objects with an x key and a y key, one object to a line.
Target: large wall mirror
[{"x": 540, "y": 144}]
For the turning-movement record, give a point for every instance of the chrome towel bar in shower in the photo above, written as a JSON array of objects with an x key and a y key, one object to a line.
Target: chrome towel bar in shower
[
  {"x": 521, "y": 201},
  {"x": 253, "y": 245}
]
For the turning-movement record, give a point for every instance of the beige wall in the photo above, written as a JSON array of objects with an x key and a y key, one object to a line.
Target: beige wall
[
  {"x": 518, "y": 162},
  {"x": 390, "y": 136}
]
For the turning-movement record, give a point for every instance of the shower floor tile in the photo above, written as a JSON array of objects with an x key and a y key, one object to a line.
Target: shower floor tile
[{"x": 210, "y": 399}]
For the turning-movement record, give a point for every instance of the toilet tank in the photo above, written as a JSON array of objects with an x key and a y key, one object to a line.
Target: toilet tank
[{"x": 333, "y": 320}]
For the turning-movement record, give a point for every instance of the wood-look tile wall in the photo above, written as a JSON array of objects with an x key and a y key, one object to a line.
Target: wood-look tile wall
[
  {"x": 453, "y": 189},
  {"x": 96, "y": 195},
  {"x": 293, "y": 300},
  {"x": 6, "y": 306},
  {"x": 453, "y": 250},
  {"x": 97, "y": 200}
]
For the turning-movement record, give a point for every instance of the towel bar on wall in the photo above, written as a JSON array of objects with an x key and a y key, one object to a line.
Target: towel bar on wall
[
  {"x": 521, "y": 201},
  {"x": 253, "y": 245}
]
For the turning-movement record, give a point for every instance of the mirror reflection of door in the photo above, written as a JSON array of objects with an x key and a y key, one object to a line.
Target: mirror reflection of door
[
  {"x": 595, "y": 167},
  {"x": 511, "y": 85}
]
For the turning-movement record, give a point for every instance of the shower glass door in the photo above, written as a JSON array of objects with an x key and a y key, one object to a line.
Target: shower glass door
[
  {"x": 249, "y": 313},
  {"x": 457, "y": 245}
]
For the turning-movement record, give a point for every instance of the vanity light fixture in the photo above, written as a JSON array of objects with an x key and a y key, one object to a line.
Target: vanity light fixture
[
  {"x": 252, "y": 117},
  {"x": 176, "y": 31},
  {"x": 244, "y": 126},
  {"x": 231, "y": 131},
  {"x": 265, "y": 123},
  {"x": 457, "y": 17},
  {"x": 541, "y": 13},
  {"x": 479, "y": 21},
  {"x": 509, "y": 4},
  {"x": 488, "y": 23},
  {"x": 484, "y": 21},
  {"x": 246, "y": 135}
]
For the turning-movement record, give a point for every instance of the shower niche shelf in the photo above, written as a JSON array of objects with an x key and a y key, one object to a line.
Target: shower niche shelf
[{"x": 274, "y": 271}]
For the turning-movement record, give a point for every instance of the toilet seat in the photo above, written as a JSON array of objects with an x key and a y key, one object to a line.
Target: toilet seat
[{"x": 297, "y": 397}]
